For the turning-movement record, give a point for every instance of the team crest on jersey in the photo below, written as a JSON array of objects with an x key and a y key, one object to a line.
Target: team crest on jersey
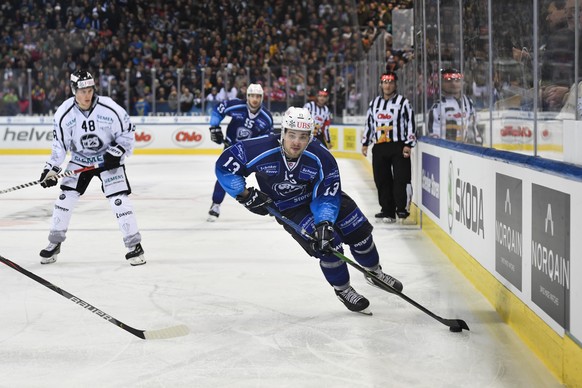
[
  {"x": 91, "y": 142},
  {"x": 243, "y": 133},
  {"x": 269, "y": 168},
  {"x": 289, "y": 189}
]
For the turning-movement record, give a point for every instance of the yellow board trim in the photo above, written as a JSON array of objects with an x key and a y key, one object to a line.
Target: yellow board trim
[{"x": 562, "y": 356}]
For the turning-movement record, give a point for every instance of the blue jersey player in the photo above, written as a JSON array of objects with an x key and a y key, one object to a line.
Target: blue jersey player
[
  {"x": 300, "y": 177},
  {"x": 248, "y": 119}
]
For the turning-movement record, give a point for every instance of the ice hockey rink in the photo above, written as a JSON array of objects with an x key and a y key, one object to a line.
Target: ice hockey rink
[{"x": 259, "y": 311}]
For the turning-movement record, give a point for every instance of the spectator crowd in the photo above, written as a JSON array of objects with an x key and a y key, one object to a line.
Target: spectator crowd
[{"x": 180, "y": 54}]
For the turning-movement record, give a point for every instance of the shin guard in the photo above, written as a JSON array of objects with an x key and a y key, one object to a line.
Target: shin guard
[{"x": 123, "y": 210}]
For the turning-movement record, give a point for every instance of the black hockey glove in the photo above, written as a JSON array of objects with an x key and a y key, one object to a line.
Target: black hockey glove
[
  {"x": 47, "y": 177},
  {"x": 257, "y": 201},
  {"x": 216, "y": 135},
  {"x": 112, "y": 157},
  {"x": 323, "y": 237}
]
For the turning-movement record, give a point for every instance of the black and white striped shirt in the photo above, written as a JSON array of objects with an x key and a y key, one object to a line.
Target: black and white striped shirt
[
  {"x": 322, "y": 117},
  {"x": 390, "y": 120},
  {"x": 453, "y": 115}
]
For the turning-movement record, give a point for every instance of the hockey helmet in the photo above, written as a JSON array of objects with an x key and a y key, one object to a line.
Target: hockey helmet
[
  {"x": 323, "y": 92},
  {"x": 81, "y": 79},
  {"x": 255, "y": 89},
  {"x": 297, "y": 119}
]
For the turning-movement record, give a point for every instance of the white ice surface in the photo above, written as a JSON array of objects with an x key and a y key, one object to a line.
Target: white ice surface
[{"x": 259, "y": 310}]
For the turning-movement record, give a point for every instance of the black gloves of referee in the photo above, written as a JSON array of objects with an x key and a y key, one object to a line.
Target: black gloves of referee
[{"x": 256, "y": 201}]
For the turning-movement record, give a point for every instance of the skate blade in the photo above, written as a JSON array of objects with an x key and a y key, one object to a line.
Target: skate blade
[
  {"x": 365, "y": 311},
  {"x": 49, "y": 260},
  {"x": 135, "y": 261}
]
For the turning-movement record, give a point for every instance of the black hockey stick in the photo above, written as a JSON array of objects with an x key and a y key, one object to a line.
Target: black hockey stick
[
  {"x": 455, "y": 325},
  {"x": 58, "y": 176},
  {"x": 169, "y": 332}
]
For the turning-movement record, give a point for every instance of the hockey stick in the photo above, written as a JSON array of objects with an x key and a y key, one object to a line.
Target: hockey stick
[
  {"x": 169, "y": 332},
  {"x": 58, "y": 176},
  {"x": 455, "y": 325}
]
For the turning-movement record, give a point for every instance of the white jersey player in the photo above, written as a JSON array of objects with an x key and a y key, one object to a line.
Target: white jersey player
[{"x": 95, "y": 130}]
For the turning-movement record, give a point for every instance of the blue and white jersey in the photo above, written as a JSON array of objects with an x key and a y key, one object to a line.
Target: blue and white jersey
[
  {"x": 312, "y": 180},
  {"x": 243, "y": 124}
]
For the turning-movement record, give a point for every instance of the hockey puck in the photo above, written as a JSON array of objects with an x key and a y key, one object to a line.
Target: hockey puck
[{"x": 456, "y": 329}]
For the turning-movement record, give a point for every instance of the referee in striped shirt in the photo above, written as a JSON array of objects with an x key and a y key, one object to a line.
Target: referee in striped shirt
[
  {"x": 321, "y": 116},
  {"x": 390, "y": 126}
]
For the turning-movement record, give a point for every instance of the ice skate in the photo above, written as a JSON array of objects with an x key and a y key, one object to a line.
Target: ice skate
[
  {"x": 214, "y": 212},
  {"x": 49, "y": 254},
  {"x": 135, "y": 255},
  {"x": 354, "y": 301},
  {"x": 385, "y": 218},
  {"x": 387, "y": 279}
]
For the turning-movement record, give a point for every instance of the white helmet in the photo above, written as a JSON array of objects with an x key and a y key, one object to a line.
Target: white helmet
[
  {"x": 297, "y": 119},
  {"x": 255, "y": 89}
]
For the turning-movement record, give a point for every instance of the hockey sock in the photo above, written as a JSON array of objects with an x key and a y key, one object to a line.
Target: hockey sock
[
  {"x": 123, "y": 210},
  {"x": 63, "y": 210},
  {"x": 335, "y": 272},
  {"x": 365, "y": 253}
]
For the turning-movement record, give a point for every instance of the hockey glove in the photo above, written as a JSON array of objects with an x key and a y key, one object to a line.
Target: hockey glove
[
  {"x": 323, "y": 237},
  {"x": 257, "y": 201},
  {"x": 112, "y": 157},
  {"x": 47, "y": 178},
  {"x": 216, "y": 135}
]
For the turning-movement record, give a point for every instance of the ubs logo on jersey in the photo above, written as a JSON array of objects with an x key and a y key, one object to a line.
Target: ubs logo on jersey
[
  {"x": 91, "y": 142},
  {"x": 384, "y": 116}
]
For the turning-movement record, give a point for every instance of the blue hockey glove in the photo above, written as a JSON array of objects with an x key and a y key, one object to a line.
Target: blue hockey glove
[
  {"x": 216, "y": 135},
  {"x": 47, "y": 177},
  {"x": 323, "y": 237},
  {"x": 257, "y": 201},
  {"x": 112, "y": 157}
]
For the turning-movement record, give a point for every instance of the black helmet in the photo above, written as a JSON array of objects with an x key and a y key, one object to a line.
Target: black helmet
[{"x": 81, "y": 79}]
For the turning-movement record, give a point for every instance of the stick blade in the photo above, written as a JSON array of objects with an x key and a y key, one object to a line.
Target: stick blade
[
  {"x": 168, "y": 332},
  {"x": 456, "y": 325},
  {"x": 462, "y": 324}
]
